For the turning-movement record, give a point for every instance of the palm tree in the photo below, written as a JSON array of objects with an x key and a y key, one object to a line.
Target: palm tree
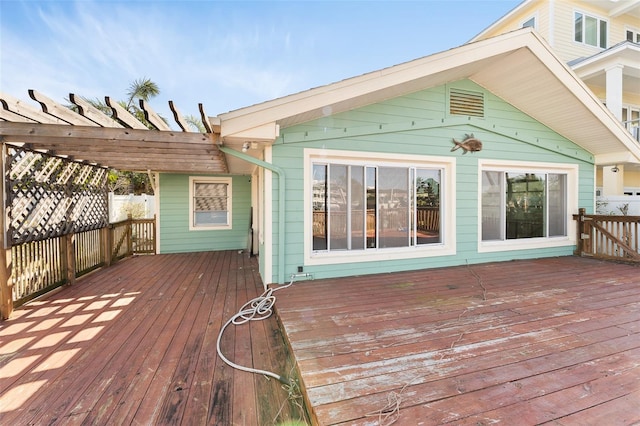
[{"x": 124, "y": 182}]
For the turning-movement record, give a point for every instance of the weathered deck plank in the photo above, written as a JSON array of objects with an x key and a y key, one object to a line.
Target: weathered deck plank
[
  {"x": 135, "y": 344},
  {"x": 471, "y": 345}
]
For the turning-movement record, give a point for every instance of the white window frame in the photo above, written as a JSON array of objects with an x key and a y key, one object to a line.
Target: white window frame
[
  {"x": 599, "y": 19},
  {"x": 208, "y": 179},
  {"x": 447, "y": 203},
  {"x": 635, "y": 32},
  {"x": 572, "y": 173}
]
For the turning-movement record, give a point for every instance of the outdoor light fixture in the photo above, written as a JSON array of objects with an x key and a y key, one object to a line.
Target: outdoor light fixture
[
  {"x": 245, "y": 146},
  {"x": 615, "y": 169}
]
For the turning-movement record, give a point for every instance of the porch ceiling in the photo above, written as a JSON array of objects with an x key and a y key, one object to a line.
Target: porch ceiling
[{"x": 120, "y": 142}]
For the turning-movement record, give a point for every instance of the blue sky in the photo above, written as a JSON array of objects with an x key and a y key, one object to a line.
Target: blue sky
[{"x": 224, "y": 54}]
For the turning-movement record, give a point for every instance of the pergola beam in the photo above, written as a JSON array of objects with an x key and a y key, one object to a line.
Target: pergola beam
[{"x": 26, "y": 132}]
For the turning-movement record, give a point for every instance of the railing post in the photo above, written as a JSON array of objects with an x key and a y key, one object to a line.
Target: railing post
[
  {"x": 6, "y": 283},
  {"x": 579, "y": 232},
  {"x": 106, "y": 245},
  {"x": 69, "y": 257},
  {"x": 129, "y": 235}
]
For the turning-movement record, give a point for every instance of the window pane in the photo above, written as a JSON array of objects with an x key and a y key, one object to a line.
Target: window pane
[
  {"x": 357, "y": 208},
  {"x": 578, "y": 27},
  {"x": 557, "y": 187},
  {"x": 530, "y": 23},
  {"x": 492, "y": 218},
  {"x": 393, "y": 207},
  {"x": 372, "y": 209},
  {"x": 319, "y": 207},
  {"x": 629, "y": 35},
  {"x": 210, "y": 204},
  {"x": 428, "y": 223},
  {"x": 525, "y": 205},
  {"x": 603, "y": 34},
  {"x": 591, "y": 31},
  {"x": 210, "y": 218},
  {"x": 338, "y": 205}
]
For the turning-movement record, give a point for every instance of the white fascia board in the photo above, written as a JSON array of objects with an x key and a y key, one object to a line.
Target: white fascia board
[
  {"x": 624, "y": 7},
  {"x": 613, "y": 158},
  {"x": 265, "y": 132},
  {"x": 626, "y": 54}
]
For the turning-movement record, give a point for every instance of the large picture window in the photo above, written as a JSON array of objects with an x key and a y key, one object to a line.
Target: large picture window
[
  {"x": 360, "y": 207},
  {"x": 210, "y": 203},
  {"x": 523, "y": 204},
  {"x": 590, "y": 30}
]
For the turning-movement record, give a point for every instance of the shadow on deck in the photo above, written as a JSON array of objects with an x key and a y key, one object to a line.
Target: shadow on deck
[
  {"x": 523, "y": 342},
  {"x": 136, "y": 344}
]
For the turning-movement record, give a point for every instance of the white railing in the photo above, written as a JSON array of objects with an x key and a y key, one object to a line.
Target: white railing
[{"x": 633, "y": 126}]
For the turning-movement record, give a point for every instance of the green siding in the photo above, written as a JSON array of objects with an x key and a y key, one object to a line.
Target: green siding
[
  {"x": 419, "y": 123},
  {"x": 175, "y": 236}
]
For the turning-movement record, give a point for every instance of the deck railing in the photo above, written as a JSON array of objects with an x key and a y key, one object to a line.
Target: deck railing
[
  {"x": 41, "y": 266},
  {"x": 608, "y": 237},
  {"x": 427, "y": 219}
]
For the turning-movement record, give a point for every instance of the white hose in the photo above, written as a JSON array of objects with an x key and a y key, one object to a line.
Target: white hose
[{"x": 256, "y": 309}]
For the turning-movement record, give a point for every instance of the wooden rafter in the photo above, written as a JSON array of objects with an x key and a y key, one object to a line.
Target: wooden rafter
[{"x": 120, "y": 141}]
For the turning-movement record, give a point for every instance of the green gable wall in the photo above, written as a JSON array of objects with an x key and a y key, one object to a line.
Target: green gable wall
[
  {"x": 419, "y": 123},
  {"x": 175, "y": 236}
]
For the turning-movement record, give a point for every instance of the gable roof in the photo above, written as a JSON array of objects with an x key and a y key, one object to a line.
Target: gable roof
[{"x": 520, "y": 67}]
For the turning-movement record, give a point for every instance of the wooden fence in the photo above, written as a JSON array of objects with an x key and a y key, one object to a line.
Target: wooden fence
[
  {"x": 427, "y": 219},
  {"x": 41, "y": 266},
  {"x": 608, "y": 237}
]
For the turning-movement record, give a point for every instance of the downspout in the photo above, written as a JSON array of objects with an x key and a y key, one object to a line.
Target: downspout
[{"x": 281, "y": 201}]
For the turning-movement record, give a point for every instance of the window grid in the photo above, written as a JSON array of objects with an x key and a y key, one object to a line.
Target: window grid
[{"x": 590, "y": 30}]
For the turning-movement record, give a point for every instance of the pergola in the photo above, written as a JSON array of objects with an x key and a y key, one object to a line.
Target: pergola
[
  {"x": 89, "y": 136},
  {"x": 120, "y": 141}
]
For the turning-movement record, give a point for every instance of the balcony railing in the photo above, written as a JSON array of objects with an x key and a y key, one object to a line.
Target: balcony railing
[
  {"x": 633, "y": 126},
  {"x": 40, "y": 266}
]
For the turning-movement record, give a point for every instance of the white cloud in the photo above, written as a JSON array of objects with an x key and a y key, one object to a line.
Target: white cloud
[{"x": 97, "y": 49}]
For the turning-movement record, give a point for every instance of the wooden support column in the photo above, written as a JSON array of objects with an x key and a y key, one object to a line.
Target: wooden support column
[
  {"x": 6, "y": 284},
  {"x": 579, "y": 230},
  {"x": 70, "y": 258},
  {"x": 107, "y": 244}
]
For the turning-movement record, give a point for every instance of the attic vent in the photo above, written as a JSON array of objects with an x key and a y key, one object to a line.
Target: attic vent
[{"x": 464, "y": 102}]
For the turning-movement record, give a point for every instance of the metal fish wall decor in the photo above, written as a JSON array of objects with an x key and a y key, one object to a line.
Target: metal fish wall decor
[{"x": 469, "y": 144}]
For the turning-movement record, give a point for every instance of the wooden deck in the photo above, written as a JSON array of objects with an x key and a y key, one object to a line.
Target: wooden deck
[
  {"x": 136, "y": 344},
  {"x": 525, "y": 342}
]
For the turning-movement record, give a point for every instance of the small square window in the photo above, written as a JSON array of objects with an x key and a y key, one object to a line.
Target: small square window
[{"x": 210, "y": 203}]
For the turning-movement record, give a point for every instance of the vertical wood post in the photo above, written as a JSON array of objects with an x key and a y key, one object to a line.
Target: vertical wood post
[
  {"x": 6, "y": 283},
  {"x": 69, "y": 257},
  {"x": 107, "y": 245},
  {"x": 579, "y": 231},
  {"x": 129, "y": 235}
]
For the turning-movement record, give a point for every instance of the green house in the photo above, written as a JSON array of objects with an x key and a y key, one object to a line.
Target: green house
[{"x": 477, "y": 154}]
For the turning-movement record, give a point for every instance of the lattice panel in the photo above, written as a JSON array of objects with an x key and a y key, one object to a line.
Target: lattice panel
[{"x": 51, "y": 196}]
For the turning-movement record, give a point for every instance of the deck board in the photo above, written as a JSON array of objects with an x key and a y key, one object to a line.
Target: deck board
[
  {"x": 523, "y": 342},
  {"x": 135, "y": 344}
]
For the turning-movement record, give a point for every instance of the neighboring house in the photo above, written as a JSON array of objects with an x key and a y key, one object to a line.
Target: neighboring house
[
  {"x": 600, "y": 40},
  {"x": 360, "y": 176}
]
